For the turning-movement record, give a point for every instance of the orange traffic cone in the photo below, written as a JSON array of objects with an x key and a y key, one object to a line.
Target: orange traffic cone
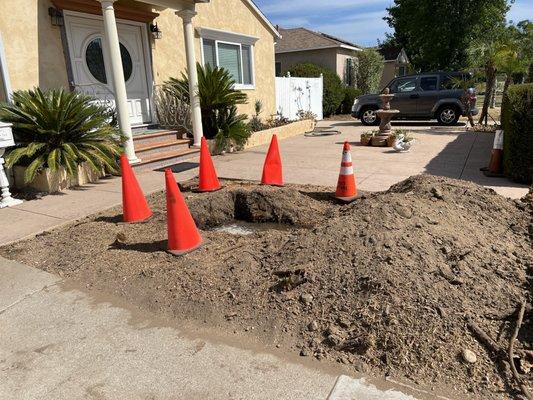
[
  {"x": 183, "y": 236},
  {"x": 346, "y": 187},
  {"x": 272, "y": 169},
  {"x": 208, "y": 175},
  {"x": 134, "y": 205}
]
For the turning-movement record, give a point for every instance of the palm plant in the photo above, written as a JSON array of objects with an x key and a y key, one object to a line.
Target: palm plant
[
  {"x": 59, "y": 129},
  {"x": 217, "y": 96}
]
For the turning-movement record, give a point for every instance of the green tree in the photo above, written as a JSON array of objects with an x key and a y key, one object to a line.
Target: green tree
[
  {"x": 438, "y": 35},
  {"x": 369, "y": 70}
]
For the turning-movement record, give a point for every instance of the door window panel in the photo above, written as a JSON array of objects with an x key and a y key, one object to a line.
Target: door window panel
[
  {"x": 404, "y": 85},
  {"x": 94, "y": 58},
  {"x": 428, "y": 83}
]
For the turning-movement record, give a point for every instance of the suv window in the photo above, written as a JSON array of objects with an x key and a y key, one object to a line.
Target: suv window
[
  {"x": 403, "y": 85},
  {"x": 448, "y": 82},
  {"x": 428, "y": 83}
]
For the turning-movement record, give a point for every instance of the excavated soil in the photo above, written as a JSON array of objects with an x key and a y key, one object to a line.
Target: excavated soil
[{"x": 386, "y": 285}]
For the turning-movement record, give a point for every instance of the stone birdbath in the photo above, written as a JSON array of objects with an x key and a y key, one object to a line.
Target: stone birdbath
[{"x": 385, "y": 115}]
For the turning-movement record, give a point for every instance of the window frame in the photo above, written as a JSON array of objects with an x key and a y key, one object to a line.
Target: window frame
[{"x": 237, "y": 86}]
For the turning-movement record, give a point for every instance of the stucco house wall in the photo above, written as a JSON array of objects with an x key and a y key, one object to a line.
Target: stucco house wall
[
  {"x": 332, "y": 58},
  {"x": 169, "y": 52},
  {"x": 324, "y": 57},
  {"x": 35, "y": 52},
  {"x": 33, "y": 46}
]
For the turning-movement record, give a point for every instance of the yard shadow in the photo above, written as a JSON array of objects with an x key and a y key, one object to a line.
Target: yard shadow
[
  {"x": 180, "y": 167},
  {"x": 142, "y": 247},
  {"x": 355, "y": 144},
  {"x": 451, "y": 162},
  {"x": 113, "y": 219}
]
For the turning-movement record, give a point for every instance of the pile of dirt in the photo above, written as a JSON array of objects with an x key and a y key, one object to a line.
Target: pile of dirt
[{"x": 388, "y": 284}]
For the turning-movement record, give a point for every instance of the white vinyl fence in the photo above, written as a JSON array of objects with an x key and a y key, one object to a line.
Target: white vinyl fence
[{"x": 295, "y": 94}]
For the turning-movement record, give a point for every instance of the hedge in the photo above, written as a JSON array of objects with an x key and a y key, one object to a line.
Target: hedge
[
  {"x": 517, "y": 122},
  {"x": 333, "y": 87},
  {"x": 350, "y": 94}
]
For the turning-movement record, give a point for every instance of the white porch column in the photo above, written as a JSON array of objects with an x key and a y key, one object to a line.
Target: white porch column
[
  {"x": 117, "y": 76},
  {"x": 196, "y": 112}
]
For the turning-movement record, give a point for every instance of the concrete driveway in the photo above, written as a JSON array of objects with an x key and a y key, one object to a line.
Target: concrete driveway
[{"x": 441, "y": 151}]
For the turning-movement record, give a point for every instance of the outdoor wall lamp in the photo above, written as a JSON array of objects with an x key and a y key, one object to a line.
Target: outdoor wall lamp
[
  {"x": 56, "y": 16},
  {"x": 156, "y": 32}
]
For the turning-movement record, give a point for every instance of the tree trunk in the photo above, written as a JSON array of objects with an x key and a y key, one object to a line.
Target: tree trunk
[
  {"x": 508, "y": 82},
  {"x": 490, "y": 74}
]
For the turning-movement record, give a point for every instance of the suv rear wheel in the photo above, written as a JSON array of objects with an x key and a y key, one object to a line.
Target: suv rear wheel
[
  {"x": 448, "y": 115},
  {"x": 369, "y": 116}
]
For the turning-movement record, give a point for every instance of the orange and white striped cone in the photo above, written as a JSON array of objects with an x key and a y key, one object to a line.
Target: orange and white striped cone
[
  {"x": 495, "y": 165},
  {"x": 346, "y": 187}
]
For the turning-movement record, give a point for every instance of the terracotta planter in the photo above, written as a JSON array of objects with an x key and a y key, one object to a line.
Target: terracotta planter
[
  {"x": 391, "y": 140},
  {"x": 365, "y": 140},
  {"x": 51, "y": 182}
]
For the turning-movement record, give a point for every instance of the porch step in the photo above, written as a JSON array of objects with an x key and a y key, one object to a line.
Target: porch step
[
  {"x": 145, "y": 149},
  {"x": 154, "y": 136},
  {"x": 165, "y": 159}
]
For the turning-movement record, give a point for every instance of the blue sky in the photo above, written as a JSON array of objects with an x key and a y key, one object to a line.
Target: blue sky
[{"x": 359, "y": 21}]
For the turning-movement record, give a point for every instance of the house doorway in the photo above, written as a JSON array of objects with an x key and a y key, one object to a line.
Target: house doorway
[{"x": 89, "y": 59}]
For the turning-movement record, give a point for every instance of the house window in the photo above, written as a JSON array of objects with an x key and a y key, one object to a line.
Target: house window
[
  {"x": 236, "y": 58},
  {"x": 402, "y": 70}
]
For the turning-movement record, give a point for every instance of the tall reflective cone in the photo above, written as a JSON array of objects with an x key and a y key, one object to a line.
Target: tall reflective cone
[
  {"x": 134, "y": 205},
  {"x": 208, "y": 175},
  {"x": 272, "y": 169},
  {"x": 183, "y": 236},
  {"x": 346, "y": 187}
]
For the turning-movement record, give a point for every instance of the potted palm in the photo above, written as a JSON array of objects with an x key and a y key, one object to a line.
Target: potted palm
[
  {"x": 62, "y": 139},
  {"x": 367, "y": 137},
  {"x": 222, "y": 125}
]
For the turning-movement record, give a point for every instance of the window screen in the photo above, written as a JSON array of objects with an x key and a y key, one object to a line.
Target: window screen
[
  {"x": 229, "y": 59},
  {"x": 210, "y": 57},
  {"x": 247, "y": 64}
]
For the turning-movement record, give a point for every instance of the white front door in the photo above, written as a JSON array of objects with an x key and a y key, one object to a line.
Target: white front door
[{"x": 90, "y": 65}]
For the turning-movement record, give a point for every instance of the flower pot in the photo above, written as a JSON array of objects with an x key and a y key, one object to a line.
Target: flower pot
[
  {"x": 365, "y": 140},
  {"x": 391, "y": 140},
  {"x": 51, "y": 182}
]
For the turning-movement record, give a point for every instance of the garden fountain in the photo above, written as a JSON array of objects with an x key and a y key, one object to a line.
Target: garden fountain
[{"x": 385, "y": 115}]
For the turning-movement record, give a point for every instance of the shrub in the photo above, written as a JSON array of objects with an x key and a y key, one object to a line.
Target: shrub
[
  {"x": 217, "y": 97},
  {"x": 350, "y": 94},
  {"x": 517, "y": 121},
  {"x": 60, "y": 129},
  {"x": 333, "y": 87},
  {"x": 369, "y": 71},
  {"x": 255, "y": 123}
]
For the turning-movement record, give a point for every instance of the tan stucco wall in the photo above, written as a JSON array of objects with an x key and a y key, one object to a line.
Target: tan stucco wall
[
  {"x": 342, "y": 56},
  {"x": 35, "y": 56},
  {"x": 228, "y": 15},
  {"x": 389, "y": 73},
  {"x": 326, "y": 58},
  {"x": 33, "y": 46}
]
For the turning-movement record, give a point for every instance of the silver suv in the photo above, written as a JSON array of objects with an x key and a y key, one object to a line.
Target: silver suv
[{"x": 422, "y": 96}]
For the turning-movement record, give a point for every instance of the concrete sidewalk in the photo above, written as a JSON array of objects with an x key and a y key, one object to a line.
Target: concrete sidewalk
[{"x": 58, "y": 343}]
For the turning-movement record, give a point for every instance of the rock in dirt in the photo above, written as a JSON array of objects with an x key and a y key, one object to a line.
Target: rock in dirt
[
  {"x": 306, "y": 298},
  {"x": 469, "y": 356},
  {"x": 313, "y": 326}
]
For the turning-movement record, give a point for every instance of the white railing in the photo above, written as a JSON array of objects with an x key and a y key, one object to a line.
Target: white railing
[{"x": 299, "y": 94}]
